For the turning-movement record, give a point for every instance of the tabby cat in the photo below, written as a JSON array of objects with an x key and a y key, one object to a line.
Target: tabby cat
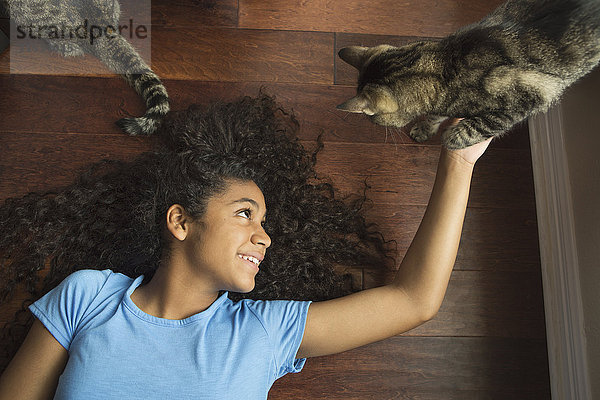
[
  {"x": 48, "y": 18},
  {"x": 494, "y": 73}
]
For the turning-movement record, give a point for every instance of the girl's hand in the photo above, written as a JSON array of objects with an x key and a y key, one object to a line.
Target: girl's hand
[
  {"x": 469, "y": 154},
  {"x": 472, "y": 153}
]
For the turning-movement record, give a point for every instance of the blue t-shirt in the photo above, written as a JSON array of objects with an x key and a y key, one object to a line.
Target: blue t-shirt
[{"x": 232, "y": 350}]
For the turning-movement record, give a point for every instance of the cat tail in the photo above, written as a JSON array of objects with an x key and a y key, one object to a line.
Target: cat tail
[
  {"x": 120, "y": 57},
  {"x": 155, "y": 96}
]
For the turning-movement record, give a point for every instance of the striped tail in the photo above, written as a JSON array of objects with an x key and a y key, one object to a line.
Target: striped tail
[
  {"x": 155, "y": 96},
  {"x": 120, "y": 57}
]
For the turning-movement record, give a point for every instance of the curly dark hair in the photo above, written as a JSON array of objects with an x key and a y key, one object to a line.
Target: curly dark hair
[{"x": 113, "y": 215}]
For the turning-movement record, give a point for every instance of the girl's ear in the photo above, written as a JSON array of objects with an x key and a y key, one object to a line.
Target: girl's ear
[
  {"x": 354, "y": 55},
  {"x": 177, "y": 222},
  {"x": 357, "y": 104}
]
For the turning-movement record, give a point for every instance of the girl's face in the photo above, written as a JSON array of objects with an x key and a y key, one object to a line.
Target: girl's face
[{"x": 229, "y": 242}]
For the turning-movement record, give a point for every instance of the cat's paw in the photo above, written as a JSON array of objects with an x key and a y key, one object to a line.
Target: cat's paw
[
  {"x": 424, "y": 129},
  {"x": 461, "y": 135}
]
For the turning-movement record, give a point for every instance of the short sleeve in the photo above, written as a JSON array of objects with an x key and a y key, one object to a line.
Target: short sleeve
[
  {"x": 284, "y": 322},
  {"x": 62, "y": 309}
]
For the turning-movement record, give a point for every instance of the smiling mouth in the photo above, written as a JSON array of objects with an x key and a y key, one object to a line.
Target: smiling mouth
[{"x": 253, "y": 260}]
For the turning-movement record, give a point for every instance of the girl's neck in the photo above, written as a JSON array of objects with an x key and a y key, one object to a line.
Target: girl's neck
[{"x": 172, "y": 295}]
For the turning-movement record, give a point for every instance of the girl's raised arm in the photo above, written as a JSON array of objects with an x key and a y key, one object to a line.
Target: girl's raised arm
[{"x": 419, "y": 287}]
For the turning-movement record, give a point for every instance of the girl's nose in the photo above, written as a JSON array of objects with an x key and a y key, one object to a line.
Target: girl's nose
[{"x": 261, "y": 237}]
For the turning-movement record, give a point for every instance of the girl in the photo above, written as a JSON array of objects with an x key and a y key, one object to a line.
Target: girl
[{"x": 167, "y": 247}]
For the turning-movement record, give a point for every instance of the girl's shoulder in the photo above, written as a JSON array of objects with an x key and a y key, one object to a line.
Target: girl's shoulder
[
  {"x": 90, "y": 282},
  {"x": 92, "y": 278},
  {"x": 89, "y": 275}
]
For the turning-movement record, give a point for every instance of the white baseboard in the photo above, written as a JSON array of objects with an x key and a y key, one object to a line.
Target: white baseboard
[{"x": 567, "y": 355}]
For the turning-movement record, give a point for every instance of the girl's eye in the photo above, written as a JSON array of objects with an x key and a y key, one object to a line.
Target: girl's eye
[{"x": 245, "y": 213}]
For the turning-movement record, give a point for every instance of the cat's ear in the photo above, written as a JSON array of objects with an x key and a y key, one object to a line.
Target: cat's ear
[
  {"x": 357, "y": 104},
  {"x": 354, "y": 55}
]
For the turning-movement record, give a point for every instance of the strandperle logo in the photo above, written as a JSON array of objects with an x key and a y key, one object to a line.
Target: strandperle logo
[
  {"x": 83, "y": 31},
  {"x": 60, "y": 40}
]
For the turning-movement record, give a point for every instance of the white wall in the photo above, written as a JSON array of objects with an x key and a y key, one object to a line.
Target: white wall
[{"x": 581, "y": 128}]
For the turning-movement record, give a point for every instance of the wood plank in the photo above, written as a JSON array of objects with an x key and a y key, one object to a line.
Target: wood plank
[
  {"x": 4, "y": 36},
  {"x": 182, "y": 13},
  {"x": 434, "y": 18},
  {"x": 192, "y": 13},
  {"x": 243, "y": 55},
  {"x": 425, "y": 368},
  {"x": 502, "y": 178},
  {"x": 33, "y": 103},
  {"x": 499, "y": 240},
  {"x": 108, "y": 99},
  {"x": 492, "y": 239},
  {"x": 45, "y": 162},
  {"x": 54, "y": 104},
  {"x": 205, "y": 53},
  {"x": 491, "y": 304},
  {"x": 485, "y": 303},
  {"x": 34, "y": 57}
]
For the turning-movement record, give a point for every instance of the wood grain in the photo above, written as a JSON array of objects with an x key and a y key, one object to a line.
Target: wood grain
[
  {"x": 492, "y": 239},
  {"x": 196, "y": 54},
  {"x": 502, "y": 178},
  {"x": 191, "y": 13},
  {"x": 242, "y": 55},
  {"x": 34, "y": 57},
  {"x": 434, "y": 18},
  {"x": 65, "y": 104},
  {"x": 54, "y": 104},
  {"x": 485, "y": 303},
  {"x": 48, "y": 162},
  {"x": 425, "y": 368}
]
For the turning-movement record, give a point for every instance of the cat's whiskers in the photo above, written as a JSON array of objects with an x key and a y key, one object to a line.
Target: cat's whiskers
[
  {"x": 398, "y": 132},
  {"x": 391, "y": 135}
]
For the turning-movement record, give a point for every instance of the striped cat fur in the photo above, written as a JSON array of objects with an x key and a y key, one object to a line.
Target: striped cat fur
[
  {"x": 114, "y": 51},
  {"x": 492, "y": 74}
]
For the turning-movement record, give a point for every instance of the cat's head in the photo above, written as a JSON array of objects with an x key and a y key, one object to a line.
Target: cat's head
[
  {"x": 391, "y": 84},
  {"x": 372, "y": 98}
]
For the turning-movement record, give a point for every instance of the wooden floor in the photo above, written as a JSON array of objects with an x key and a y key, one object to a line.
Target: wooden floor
[{"x": 488, "y": 341}]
